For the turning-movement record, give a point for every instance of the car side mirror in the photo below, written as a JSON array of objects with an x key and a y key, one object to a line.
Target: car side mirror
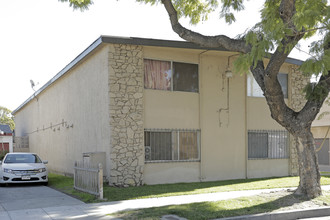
[
  {"x": 0, "y": 162},
  {"x": 45, "y": 162}
]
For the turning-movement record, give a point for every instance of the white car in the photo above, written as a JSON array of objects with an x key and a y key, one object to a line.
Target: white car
[{"x": 23, "y": 168}]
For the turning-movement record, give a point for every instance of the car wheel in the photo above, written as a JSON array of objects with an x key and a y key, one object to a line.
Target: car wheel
[{"x": 45, "y": 183}]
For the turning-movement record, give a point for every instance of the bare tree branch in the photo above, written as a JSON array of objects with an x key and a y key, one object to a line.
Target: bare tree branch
[{"x": 207, "y": 41}]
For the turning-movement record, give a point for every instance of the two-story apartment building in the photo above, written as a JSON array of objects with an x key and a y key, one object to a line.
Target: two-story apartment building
[{"x": 161, "y": 112}]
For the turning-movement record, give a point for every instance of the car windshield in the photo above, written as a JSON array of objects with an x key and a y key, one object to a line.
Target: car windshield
[{"x": 22, "y": 158}]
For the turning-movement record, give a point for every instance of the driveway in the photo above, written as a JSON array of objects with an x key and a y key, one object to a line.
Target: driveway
[
  {"x": 19, "y": 197},
  {"x": 32, "y": 202}
]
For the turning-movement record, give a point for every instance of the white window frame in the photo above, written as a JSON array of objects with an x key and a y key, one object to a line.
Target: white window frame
[{"x": 254, "y": 90}]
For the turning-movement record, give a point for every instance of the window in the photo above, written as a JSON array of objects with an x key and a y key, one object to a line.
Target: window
[
  {"x": 185, "y": 77},
  {"x": 171, "y": 145},
  {"x": 268, "y": 144},
  {"x": 158, "y": 75},
  {"x": 254, "y": 90}
]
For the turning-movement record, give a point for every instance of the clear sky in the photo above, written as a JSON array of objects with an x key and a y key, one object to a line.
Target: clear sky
[{"x": 40, "y": 37}]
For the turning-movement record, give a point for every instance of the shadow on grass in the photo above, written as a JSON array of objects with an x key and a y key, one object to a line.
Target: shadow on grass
[
  {"x": 220, "y": 209},
  {"x": 149, "y": 191}
]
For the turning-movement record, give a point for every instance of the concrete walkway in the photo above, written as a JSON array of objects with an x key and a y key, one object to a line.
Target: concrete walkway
[{"x": 100, "y": 210}]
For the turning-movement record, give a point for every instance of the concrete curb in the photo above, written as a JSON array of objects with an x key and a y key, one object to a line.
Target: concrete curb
[{"x": 285, "y": 215}]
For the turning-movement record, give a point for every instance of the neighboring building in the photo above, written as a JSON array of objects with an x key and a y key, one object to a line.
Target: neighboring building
[
  {"x": 160, "y": 112},
  {"x": 6, "y": 139},
  {"x": 321, "y": 132}
]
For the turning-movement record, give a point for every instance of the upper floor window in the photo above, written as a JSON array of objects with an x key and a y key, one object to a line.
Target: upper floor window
[
  {"x": 254, "y": 90},
  {"x": 170, "y": 76}
]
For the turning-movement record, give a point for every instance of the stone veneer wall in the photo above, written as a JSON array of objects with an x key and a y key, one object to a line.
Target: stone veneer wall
[
  {"x": 298, "y": 83},
  {"x": 126, "y": 115}
]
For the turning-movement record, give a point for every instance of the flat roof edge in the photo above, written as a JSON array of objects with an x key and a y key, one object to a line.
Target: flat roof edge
[
  {"x": 131, "y": 41},
  {"x": 171, "y": 43},
  {"x": 156, "y": 42}
]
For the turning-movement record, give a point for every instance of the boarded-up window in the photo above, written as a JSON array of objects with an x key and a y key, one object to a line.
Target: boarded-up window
[{"x": 157, "y": 74}]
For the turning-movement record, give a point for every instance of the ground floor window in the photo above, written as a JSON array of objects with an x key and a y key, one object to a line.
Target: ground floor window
[
  {"x": 171, "y": 145},
  {"x": 268, "y": 144}
]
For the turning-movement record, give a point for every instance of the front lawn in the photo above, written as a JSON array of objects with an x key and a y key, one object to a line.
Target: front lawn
[
  {"x": 65, "y": 184},
  {"x": 263, "y": 203}
]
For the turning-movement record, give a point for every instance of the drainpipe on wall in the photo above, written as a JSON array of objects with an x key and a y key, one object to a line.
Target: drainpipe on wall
[
  {"x": 246, "y": 128},
  {"x": 201, "y": 177}
]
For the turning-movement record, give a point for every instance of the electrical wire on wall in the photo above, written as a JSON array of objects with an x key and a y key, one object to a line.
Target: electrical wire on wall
[{"x": 53, "y": 127}]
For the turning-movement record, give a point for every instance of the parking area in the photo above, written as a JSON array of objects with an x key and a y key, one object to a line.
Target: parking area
[{"x": 19, "y": 197}]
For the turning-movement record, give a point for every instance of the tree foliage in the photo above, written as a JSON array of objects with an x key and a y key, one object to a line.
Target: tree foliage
[{"x": 6, "y": 117}]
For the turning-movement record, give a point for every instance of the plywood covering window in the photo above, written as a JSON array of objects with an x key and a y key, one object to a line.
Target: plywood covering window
[
  {"x": 254, "y": 90},
  {"x": 171, "y": 145},
  {"x": 170, "y": 76},
  {"x": 268, "y": 144}
]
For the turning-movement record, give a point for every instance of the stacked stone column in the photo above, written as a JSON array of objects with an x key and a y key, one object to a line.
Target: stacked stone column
[
  {"x": 298, "y": 100},
  {"x": 126, "y": 115}
]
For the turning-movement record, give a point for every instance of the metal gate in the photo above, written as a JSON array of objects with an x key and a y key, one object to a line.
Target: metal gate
[{"x": 323, "y": 153}]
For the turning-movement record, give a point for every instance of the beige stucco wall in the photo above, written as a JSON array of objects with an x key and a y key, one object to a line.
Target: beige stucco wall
[
  {"x": 158, "y": 173},
  {"x": 321, "y": 132},
  {"x": 268, "y": 168},
  {"x": 222, "y": 147},
  {"x": 223, "y": 132},
  {"x": 259, "y": 118},
  {"x": 223, "y": 135},
  {"x": 80, "y": 100}
]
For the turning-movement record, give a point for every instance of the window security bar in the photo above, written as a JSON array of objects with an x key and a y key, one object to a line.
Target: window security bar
[
  {"x": 172, "y": 145},
  {"x": 268, "y": 144}
]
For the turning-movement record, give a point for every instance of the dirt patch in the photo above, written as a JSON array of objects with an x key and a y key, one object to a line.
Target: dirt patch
[{"x": 289, "y": 201}]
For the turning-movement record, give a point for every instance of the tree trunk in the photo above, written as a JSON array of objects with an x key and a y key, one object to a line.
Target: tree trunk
[
  {"x": 308, "y": 166},
  {"x": 297, "y": 123}
]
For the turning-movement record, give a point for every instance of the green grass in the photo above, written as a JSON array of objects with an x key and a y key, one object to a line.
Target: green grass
[
  {"x": 220, "y": 209},
  {"x": 325, "y": 173},
  {"x": 207, "y": 210},
  {"x": 65, "y": 184},
  {"x": 163, "y": 190}
]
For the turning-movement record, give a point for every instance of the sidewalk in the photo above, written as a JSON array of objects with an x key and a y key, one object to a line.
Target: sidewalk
[{"x": 100, "y": 210}]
